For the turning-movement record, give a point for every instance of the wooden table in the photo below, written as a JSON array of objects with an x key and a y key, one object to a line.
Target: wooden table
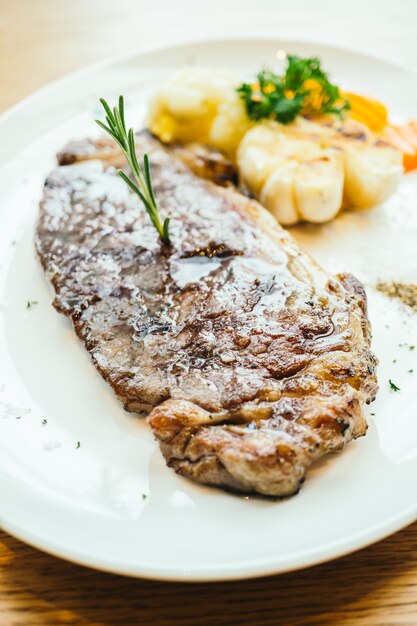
[{"x": 43, "y": 39}]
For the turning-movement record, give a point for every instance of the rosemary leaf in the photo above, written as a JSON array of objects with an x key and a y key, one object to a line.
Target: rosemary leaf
[{"x": 141, "y": 184}]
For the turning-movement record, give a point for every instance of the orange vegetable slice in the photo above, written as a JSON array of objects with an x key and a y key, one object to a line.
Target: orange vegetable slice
[
  {"x": 404, "y": 138},
  {"x": 367, "y": 110}
]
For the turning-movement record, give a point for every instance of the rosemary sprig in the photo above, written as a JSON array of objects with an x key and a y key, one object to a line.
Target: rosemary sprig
[{"x": 142, "y": 183}]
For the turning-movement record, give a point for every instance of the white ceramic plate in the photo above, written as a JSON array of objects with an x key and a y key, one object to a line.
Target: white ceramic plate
[{"x": 111, "y": 503}]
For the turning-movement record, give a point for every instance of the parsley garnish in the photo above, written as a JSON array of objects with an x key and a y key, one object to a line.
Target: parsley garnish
[
  {"x": 44, "y": 422},
  {"x": 393, "y": 386},
  {"x": 142, "y": 183},
  {"x": 31, "y": 303},
  {"x": 78, "y": 445},
  {"x": 144, "y": 496},
  {"x": 304, "y": 89}
]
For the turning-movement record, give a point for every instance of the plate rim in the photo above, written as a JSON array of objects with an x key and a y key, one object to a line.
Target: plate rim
[
  {"x": 241, "y": 38},
  {"x": 252, "y": 569},
  {"x": 207, "y": 575}
]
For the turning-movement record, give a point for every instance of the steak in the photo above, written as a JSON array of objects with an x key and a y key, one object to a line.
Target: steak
[{"x": 249, "y": 360}]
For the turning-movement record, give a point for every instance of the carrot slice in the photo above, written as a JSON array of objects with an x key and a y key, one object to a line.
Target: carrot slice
[
  {"x": 367, "y": 110},
  {"x": 404, "y": 138},
  {"x": 410, "y": 162}
]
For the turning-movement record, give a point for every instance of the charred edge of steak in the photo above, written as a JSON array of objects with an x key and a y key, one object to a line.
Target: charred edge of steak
[
  {"x": 269, "y": 456},
  {"x": 203, "y": 161}
]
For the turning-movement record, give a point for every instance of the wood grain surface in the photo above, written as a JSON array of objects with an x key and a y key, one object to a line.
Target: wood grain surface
[
  {"x": 376, "y": 586},
  {"x": 39, "y": 41}
]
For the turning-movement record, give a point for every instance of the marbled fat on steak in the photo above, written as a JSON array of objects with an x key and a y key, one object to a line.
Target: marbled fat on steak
[{"x": 250, "y": 360}]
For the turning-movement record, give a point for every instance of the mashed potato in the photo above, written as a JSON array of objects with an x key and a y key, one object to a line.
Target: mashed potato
[{"x": 200, "y": 105}]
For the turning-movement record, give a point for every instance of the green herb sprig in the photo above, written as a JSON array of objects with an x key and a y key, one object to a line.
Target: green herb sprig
[
  {"x": 393, "y": 386},
  {"x": 142, "y": 183},
  {"x": 284, "y": 97}
]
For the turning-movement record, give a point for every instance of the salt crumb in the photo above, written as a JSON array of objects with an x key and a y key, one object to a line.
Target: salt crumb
[
  {"x": 51, "y": 445},
  {"x": 9, "y": 410}
]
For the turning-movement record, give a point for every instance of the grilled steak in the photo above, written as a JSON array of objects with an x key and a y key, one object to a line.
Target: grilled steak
[
  {"x": 250, "y": 361},
  {"x": 202, "y": 160}
]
